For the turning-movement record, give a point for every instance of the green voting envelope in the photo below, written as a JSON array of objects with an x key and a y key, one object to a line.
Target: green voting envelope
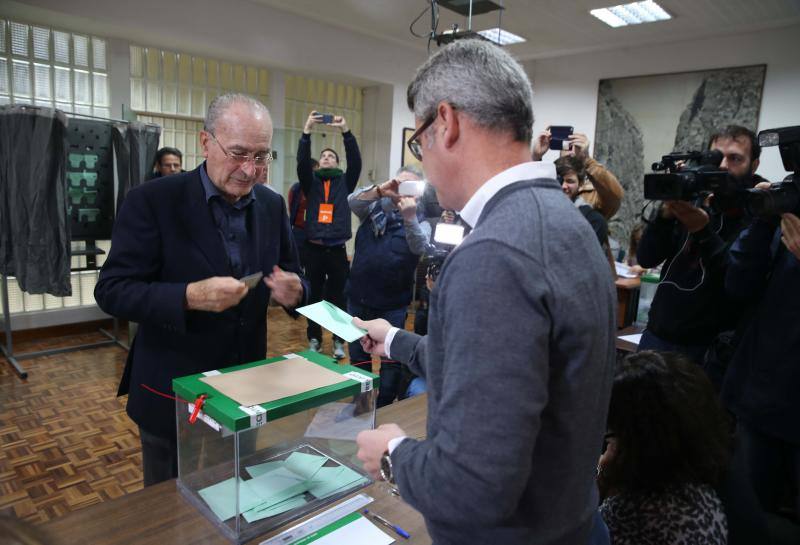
[{"x": 333, "y": 319}]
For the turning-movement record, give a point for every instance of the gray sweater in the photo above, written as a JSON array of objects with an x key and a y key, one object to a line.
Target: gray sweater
[{"x": 519, "y": 361}]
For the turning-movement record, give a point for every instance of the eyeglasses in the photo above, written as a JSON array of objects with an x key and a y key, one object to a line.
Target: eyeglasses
[
  {"x": 260, "y": 160},
  {"x": 414, "y": 145}
]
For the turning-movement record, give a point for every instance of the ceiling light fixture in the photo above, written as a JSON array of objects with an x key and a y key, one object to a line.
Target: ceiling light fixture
[
  {"x": 500, "y": 36},
  {"x": 634, "y": 13}
]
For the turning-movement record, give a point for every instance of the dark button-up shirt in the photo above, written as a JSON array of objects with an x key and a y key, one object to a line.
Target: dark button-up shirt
[{"x": 232, "y": 224}]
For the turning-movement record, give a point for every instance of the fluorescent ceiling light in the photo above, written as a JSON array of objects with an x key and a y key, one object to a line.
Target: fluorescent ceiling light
[
  {"x": 500, "y": 36},
  {"x": 631, "y": 14}
]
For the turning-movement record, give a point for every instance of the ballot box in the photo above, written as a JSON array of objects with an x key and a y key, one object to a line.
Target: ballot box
[{"x": 264, "y": 443}]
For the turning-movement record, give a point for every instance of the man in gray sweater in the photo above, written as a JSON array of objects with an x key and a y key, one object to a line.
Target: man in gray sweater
[{"x": 520, "y": 347}]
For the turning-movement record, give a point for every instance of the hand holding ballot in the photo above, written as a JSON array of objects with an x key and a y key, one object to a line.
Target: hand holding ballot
[
  {"x": 286, "y": 288},
  {"x": 215, "y": 294},
  {"x": 373, "y": 341}
]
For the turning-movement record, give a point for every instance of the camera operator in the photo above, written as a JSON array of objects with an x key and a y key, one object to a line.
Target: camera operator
[
  {"x": 600, "y": 188},
  {"x": 389, "y": 241},
  {"x": 763, "y": 379},
  {"x": 689, "y": 308}
]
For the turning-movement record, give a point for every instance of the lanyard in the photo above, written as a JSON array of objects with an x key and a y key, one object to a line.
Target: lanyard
[{"x": 327, "y": 185}]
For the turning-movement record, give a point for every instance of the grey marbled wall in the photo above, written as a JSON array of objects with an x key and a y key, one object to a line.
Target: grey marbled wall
[
  {"x": 618, "y": 145},
  {"x": 725, "y": 97}
]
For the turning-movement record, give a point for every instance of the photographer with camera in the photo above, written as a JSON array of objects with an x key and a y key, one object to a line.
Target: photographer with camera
[
  {"x": 327, "y": 226},
  {"x": 692, "y": 241},
  {"x": 389, "y": 241},
  {"x": 763, "y": 379},
  {"x": 599, "y": 188}
]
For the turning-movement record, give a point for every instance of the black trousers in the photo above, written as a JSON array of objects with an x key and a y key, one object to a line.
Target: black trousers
[
  {"x": 159, "y": 457},
  {"x": 327, "y": 270}
]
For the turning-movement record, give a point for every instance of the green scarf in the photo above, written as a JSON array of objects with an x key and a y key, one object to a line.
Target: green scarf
[{"x": 329, "y": 173}]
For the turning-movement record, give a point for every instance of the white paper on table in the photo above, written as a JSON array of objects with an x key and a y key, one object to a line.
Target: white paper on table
[
  {"x": 359, "y": 532},
  {"x": 624, "y": 271},
  {"x": 631, "y": 338}
]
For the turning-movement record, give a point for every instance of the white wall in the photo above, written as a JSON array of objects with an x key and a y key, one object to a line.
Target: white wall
[
  {"x": 401, "y": 117},
  {"x": 565, "y": 88},
  {"x": 376, "y": 134}
]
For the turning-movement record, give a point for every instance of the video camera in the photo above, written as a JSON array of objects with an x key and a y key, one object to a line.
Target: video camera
[
  {"x": 687, "y": 177},
  {"x": 446, "y": 237},
  {"x": 783, "y": 196}
]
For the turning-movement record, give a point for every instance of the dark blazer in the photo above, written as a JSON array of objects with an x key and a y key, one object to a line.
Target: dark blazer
[{"x": 164, "y": 238}]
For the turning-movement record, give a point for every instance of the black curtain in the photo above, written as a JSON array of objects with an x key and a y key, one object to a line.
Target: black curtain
[
  {"x": 34, "y": 227},
  {"x": 135, "y": 146}
]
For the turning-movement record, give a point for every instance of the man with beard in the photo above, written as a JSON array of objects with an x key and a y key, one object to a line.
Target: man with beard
[{"x": 690, "y": 308}]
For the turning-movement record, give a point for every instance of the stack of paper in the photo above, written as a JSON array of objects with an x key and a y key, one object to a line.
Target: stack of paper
[
  {"x": 279, "y": 486},
  {"x": 623, "y": 271}
]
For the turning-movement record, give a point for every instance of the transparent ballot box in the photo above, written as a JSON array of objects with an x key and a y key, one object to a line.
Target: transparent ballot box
[{"x": 272, "y": 440}]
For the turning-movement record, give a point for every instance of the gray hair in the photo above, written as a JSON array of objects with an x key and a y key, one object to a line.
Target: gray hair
[
  {"x": 223, "y": 102},
  {"x": 479, "y": 79},
  {"x": 411, "y": 169}
]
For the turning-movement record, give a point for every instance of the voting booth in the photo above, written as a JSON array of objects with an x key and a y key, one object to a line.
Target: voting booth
[{"x": 264, "y": 443}]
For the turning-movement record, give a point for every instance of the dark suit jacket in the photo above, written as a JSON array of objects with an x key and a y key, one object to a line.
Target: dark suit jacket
[{"x": 163, "y": 239}]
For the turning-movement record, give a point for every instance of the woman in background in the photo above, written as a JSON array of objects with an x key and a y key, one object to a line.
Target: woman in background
[{"x": 668, "y": 447}]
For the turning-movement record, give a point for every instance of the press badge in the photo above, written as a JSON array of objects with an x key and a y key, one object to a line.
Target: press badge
[{"x": 325, "y": 213}]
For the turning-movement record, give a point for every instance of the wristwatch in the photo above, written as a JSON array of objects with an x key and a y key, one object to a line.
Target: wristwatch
[{"x": 386, "y": 468}]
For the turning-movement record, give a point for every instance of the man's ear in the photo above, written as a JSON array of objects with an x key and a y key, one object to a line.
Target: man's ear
[
  {"x": 754, "y": 166},
  {"x": 204, "y": 138},
  {"x": 451, "y": 124}
]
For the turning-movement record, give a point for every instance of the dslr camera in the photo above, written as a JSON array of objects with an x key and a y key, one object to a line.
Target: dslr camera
[{"x": 783, "y": 196}]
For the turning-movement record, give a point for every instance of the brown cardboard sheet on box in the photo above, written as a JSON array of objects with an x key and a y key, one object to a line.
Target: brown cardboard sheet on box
[{"x": 269, "y": 382}]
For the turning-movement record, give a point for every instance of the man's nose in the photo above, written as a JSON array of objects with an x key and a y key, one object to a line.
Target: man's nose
[{"x": 249, "y": 168}]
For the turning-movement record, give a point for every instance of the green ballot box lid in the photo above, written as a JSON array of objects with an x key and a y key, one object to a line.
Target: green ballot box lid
[{"x": 233, "y": 415}]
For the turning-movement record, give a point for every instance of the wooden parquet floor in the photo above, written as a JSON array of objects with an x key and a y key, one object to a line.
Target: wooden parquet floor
[{"x": 65, "y": 439}]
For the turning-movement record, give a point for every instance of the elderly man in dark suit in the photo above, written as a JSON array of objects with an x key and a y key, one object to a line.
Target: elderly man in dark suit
[
  {"x": 519, "y": 353},
  {"x": 178, "y": 250}
]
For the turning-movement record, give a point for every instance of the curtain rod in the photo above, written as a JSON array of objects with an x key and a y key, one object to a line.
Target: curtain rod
[{"x": 70, "y": 114}]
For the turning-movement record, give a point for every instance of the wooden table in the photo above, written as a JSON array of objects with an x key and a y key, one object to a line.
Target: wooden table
[
  {"x": 627, "y": 300},
  {"x": 159, "y": 515}
]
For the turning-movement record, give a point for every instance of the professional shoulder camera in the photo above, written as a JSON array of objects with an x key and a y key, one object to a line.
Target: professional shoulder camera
[
  {"x": 687, "y": 177},
  {"x": 446, "y": 236},
  {"x": 783, "y": 196}
]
